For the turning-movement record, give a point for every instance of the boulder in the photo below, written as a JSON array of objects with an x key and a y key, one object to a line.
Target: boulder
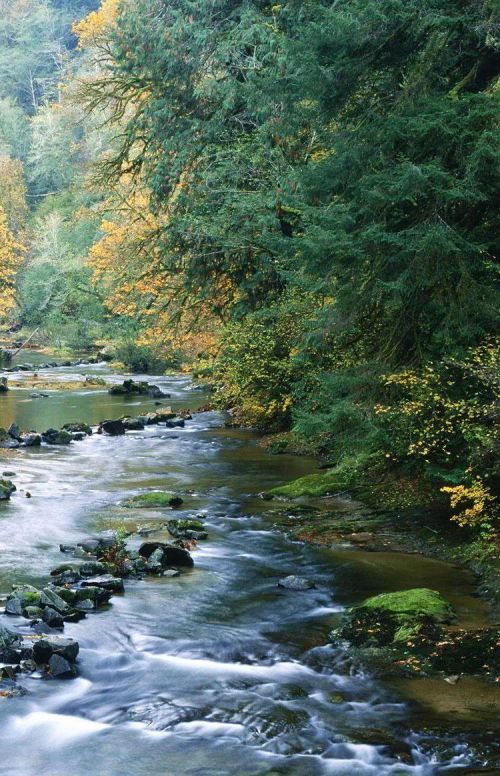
[
  {"x": 3, "y": 385},
  {"x": 14, "y": 431},
  {"x": 60, "y": 668},
  {"x": 298, "y": 584},
  {"x": 31, "y": 439},
  {"x": 22, "y": 597},
  {"x": 54, "y": 437},
  {"x": 92, "y": 568},
  {"x": 134, "y": 424},
  {"x": 7, "y": 488},
  {"x": 175, "y": 423},
  {"x": 78, "y": 428},
  {"x": 155, "y": 499},
  {"x": 397, "y": 617},
  {"x": 106, "y": 581},
  {"x": 7, "y": 638},
  {"x": 52, "y": 618},
  {"x": 187, "y": 529},
  {"x": 111, "y": 427},
  {"x": 49, "y": 597},
  {"x": 44, "y": 648},
  {"x": 171, "y": 555}
]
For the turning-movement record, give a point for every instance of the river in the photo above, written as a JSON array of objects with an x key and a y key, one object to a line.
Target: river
[{"x": 218, "y": 671}]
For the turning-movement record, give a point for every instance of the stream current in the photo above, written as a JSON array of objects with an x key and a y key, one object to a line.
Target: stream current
[{"x": 219, "y": 671}]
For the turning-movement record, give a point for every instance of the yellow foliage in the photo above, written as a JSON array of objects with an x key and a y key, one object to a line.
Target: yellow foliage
[
  {"x": 13, "y": 193},
  {"x": 472, "y": 502},
  {"x": 94, "y": 28},
  {"x": 11, "y": 256}
]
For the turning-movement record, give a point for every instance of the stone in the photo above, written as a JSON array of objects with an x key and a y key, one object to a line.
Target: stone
[
  {"x": 97, "y": 595},
  {"x": 77, "y": 428},
  {"x": 171, "y": 556},
  {"x": 155, "y": 499},
  {"x": 54, "y": 437},
  {"x": 106, "y": 581},
  {"x": 7, "y": 488},
  {"x": 298, "y": 584},
  {"x": 111, "y": 427},
  {"x": 187, "y": 529},
  {"x": 92, "y": 568},
  {"x": 60, "y": 668},
  {"x": 33, "y": 612},
  {"x": 31, "y": 439},
  {"x": 14, "y": 431},
  {"x": 134, "y": 424},
  {"x": 10, "y": 689},
  {"x": 52, "y": 618},
  {"x": 50, "y": 645},
  {"x": 3, "y": 385},
  {"x": 176, "y": 423},
  {"x": 8, "y": 638},
  {"x": 49, "y": 597}
]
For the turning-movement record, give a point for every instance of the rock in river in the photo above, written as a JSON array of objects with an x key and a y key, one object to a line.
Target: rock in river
[
  {"x": 170, "y": 555},
  {"x": 54, "y": 437},
  {"x": 7, "y": 488},
  {"x": 111, "y": 427},
  {"x": 299, "y": 584}
]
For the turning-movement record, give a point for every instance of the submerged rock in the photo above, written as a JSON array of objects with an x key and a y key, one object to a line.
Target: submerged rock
[
  {"x": 31, "y": 439},
  {"x": 298, "y": 584},
  {"x": 157, "y": 498}
]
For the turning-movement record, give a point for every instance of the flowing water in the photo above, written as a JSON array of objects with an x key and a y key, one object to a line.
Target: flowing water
[{"x": 218, "y": 671}]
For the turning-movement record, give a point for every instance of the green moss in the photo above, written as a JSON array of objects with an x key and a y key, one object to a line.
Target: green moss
[
  {"x": 409, "y": 605},
  {"x": 314, "y": 485},
  {"x": 157, "y": 498}
]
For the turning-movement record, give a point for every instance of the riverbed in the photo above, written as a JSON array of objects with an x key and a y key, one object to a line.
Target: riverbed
[{"x": 219, "y": 671}]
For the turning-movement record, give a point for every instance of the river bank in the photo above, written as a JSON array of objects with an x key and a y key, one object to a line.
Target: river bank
[{"x": 219, "y": 665}]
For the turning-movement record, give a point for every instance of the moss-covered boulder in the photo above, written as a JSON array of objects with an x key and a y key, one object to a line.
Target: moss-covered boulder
[
  {"x": 187, "y": 529},
  {"x": 7, "y": 488},
  {"x": 391, "y": 618},
  {"x": 78, "y": 428},
  {"x": 54, "y": 437},
  {"x": 155, "y": 499},
  {"x": 310, "y": 485}
]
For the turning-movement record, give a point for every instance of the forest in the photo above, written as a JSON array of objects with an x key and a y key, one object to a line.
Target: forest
[
  {"x": 295, "y": 205},
  {"x": 295, "y": 201}
]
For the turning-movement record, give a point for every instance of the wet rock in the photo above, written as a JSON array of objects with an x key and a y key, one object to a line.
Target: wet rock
[
  {"x": 33, "y": 612},
  {"x": 22, "y": 597},
  {"x": 106, "y": 581},
  {"x": 155, "y": 561},
  {"x": 171, "y": 555},
  {"x": 175, "y": 423},
  {"x": 134, "y": 424},
  {"x": 10, "y": 689},
  {"x": 44, "y": 648},
  {"x": 49, "y": 597},
  {"x": 6, "y": 441},
  {"x": 155, "y": 499},
  {"x": 61, "y": 668},
  {"x": 298, "y": 584},
  {"x": 78, "y": 436},
  {"x": 54, "y": 437},
  {"x": 98, "y": 596},
  {"x": 73, "y": 568},
  {"x": 14, "y": 431},
  {"x": 3, "y": 385},
  {"x": 111, "y": 427},
  {"x": 7, "y": 488},
  {"x": 8, "y": 638},
  {"x": 78, "y": 428},
  {"x": 187, "y": 529},
  {"x": 31, "y": 439},
  {"x": 52, "y": 618},
  {"x": 92, "y": 568}
]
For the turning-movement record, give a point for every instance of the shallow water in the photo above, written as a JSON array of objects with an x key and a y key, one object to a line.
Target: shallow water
[{"x": 218, "y": 671}]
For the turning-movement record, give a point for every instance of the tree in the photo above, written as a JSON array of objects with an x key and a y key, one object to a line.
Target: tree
[{"x": 11, "y": 256}]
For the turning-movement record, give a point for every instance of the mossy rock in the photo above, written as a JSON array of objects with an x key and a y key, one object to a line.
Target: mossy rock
[
  {"x": 155, "y": 499},
  {"x": 313, "y": 485},
  {"x": 7, "y": 488},
  {"x": 392, "y": 618},
  {"x": 74, "y": 428}
]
